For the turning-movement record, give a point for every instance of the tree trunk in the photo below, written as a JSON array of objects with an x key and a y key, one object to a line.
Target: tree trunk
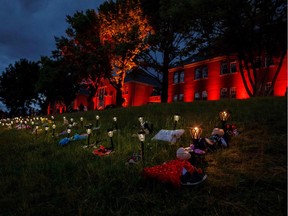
[
  {"x": 164, "y": 93},
  {"x": 119, "y": 97},
  {"x": 277, "y": 71},
  {"x": 241, "y": 69}
]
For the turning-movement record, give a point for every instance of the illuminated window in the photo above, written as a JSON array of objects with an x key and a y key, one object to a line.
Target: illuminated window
[
  {"x": 197, "y": 96},
  {"x": 233, "y": 92},
  {"x": 223, "y": 92},
  {"x": 204, "y": 95}
]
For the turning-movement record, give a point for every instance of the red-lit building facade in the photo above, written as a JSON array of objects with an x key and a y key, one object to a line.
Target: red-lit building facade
[
  {"x": 139, "y": 88},
  {"x": 216, "y": 78},
  {"x": 209, "y": 79}
]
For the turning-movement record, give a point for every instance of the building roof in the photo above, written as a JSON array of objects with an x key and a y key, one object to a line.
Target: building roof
[{"x": 141, "y": 76}]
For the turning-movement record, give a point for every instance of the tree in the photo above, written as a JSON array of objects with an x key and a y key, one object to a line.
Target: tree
[
  {"x": 82, "y": 50},
  {"x": 256, "y": 33},
  {"x": 57, "y": 83},
  {"x": 17, "y": 86},
  {"x": 124, "y": 31},
  {"x": 174, "y": 38}
]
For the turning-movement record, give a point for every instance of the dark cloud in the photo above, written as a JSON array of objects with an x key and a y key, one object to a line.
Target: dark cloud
[{"x": 28, "y": 27}]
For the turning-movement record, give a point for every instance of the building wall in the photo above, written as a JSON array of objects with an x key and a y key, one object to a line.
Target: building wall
[
  {"x": 137, "y": 94},
  {"x": 185, "y": 89},
  {"x": 134, "y": 94}
]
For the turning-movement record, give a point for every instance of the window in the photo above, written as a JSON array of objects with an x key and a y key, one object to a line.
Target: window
[
  {"x": 197, "y": 96},
  {"x": 205, "y": 72},
  {"x": 197, "y": 73},
  {"x": 233, "y": 92},
  {"x": 181, "y": 76},
  {"x": 267, "y": 88},
  {"x": 224, "y": 68},
  {"x": 102, "y": 92},
  {"x": 156, "y": 92},
  {"x": 175, "y": 98},
  {"x": 178, "y": 77},
  {"x": 179, "y": 97},
  {"x": 223, "y": 93},
  {"x": 204, "y": 95},
  {"x": 228, "y": 67},
  {"x": 233, "y": 67},
  {"x": 268, "y": 62},
  {"x": 201, "y": 72}
]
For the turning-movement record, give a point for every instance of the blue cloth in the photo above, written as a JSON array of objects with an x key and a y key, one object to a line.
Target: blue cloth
[
  {"x": 64, "y": 141},
  {"x": 79, "y": 137}
]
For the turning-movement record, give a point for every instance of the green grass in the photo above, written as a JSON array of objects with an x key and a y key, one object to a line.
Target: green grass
[{"x": 39, "y": 177}]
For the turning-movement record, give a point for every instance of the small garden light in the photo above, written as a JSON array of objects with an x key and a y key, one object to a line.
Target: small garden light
[
  {"x": 36, "y": 130},
  {"x": 46, "y": 129},
  {"x": 115, "y": 123},
  {"x": 53, "y": 129},
  {"x": 141, "y": 137},
  {"x": 97, "y": 120},
  {"x": 68, "y": 131},
  {"x": 110, "y": 134},
  {"x": 81, "y": 120},
  {"x": 65, "y": 121},
  {"x": 195, "y": 133},
  {"x": 224, "y": 116},
  {"x": 176, "y": 119},
  {"x": 89, "y": 131}
]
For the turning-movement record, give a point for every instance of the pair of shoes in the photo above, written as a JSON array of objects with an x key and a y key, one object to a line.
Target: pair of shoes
[{"x": 193, "y": 179}]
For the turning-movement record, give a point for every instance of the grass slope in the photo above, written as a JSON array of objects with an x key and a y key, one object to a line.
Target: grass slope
[{"x": 39, "y": 177}]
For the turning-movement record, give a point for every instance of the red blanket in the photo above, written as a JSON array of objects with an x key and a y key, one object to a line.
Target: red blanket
[{"x": 169, "y": 172}]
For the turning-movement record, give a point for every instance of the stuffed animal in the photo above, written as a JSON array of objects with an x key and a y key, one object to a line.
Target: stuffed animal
[{"x": 216, "y": 140}]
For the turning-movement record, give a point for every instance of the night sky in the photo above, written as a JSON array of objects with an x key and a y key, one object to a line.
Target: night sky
[{"x": 28, "y": 27}]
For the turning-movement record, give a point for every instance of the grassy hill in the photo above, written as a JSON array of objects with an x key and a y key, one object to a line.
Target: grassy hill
[{"x": 40, "y": 177}]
